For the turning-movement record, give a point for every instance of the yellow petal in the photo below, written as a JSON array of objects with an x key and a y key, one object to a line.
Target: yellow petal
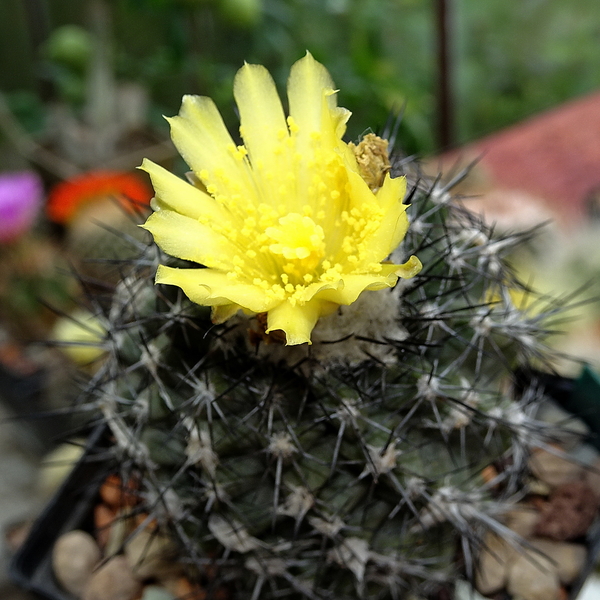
[
  {"x": 355, "y": 284},
  {"x": 188, "y": 239},
  {"x": 213, "y": 288},
  {"x": 178, "y": 195},
  {"x": 296, "y": 321},
  {"x": 203, "y": 141},
  {"x": 391, "y": 192},
  {"x": 387, "y": 236},
  {"x": 312, "y": 99},
  {"x": 306, "y": 83},
  {"x": 360, "y": 193},
  {"x": 222, "y": 312},
  {"x": 314, "y": 289},
  {"x": 394, "y": 223},
  {"x": 409, "y": 269},
  {"x": 262, "y": 120}
]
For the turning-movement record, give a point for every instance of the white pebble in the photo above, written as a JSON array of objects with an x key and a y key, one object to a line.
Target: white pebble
[
  {"x": 494, "y": 560},
  {"x": 554, "y": 468},
  {"x": 569, "y": 559},
  {"x": 533, "y": 577},
  {"x": 522, "y": 519},
  {"x": 74, "y": 556},
  {"x": 113, "y": 581},
  {"x": 150, "y": 555}
]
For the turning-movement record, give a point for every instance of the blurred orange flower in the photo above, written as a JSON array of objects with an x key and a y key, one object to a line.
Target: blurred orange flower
[{"x": 67, "y": 197}]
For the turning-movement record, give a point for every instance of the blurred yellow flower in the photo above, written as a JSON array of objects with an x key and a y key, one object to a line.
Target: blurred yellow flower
[
  {"x": 287, "y": 224},
  {"x": 80, "y": 336}
]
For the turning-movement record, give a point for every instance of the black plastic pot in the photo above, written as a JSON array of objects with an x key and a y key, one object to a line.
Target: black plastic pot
[
  {"x": 25, "y": 395},
  {"x": 71, "y": 508},
  {"x": 580, "y": 396}
]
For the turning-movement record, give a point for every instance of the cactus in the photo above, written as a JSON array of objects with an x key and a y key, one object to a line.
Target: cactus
[{"x": 349, "y": 467}]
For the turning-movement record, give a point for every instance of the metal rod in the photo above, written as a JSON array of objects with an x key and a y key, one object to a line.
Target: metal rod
[{"x": 444, "y": 68}]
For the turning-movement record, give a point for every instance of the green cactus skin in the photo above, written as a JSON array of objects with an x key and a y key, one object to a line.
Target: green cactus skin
[{"x": 300, "y": 478}]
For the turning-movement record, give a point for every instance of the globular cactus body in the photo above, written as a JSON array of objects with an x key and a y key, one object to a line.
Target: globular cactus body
[
  {"x": 352, "y": 467},
  {"x": 327, "y": 479}
]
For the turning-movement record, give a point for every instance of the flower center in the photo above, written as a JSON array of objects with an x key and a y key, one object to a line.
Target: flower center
[{"x": 298, "y": 238}]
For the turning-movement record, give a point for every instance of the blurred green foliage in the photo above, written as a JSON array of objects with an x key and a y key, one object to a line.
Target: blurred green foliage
[
  {"x": 516, "y": 59},
  {"x": 510, "y": 59}
]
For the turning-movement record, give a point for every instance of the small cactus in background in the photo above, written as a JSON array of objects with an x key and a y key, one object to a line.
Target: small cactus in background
[{"x": 351, "y": 461}]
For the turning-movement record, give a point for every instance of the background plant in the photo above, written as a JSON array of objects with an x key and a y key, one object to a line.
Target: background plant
[{"x": 510, "y": 60}]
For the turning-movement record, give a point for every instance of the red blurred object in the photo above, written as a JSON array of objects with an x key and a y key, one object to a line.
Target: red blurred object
[
  {"x": 67, "y": 197},
  {"x": 553, "y": 156}
]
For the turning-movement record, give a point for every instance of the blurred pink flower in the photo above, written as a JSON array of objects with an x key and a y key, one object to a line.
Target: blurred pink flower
[{"x": 20, "y": 201}]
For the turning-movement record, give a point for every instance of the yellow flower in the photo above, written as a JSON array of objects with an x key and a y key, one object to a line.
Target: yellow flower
[{"x": 284, "y": 224}]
